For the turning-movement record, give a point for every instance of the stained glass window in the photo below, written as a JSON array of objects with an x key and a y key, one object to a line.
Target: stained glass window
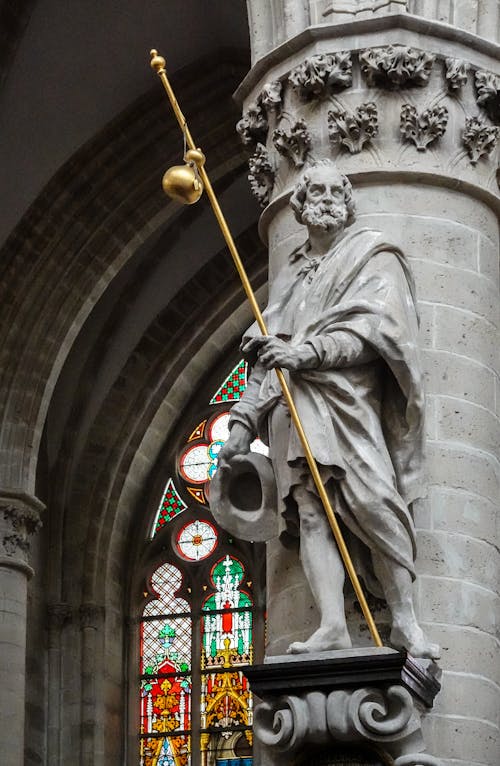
[
  {"x": 197, "y": 540},
  {"x": 198, "y": 621},
  {"x": 233, "y": 386},
  {"x": 171, "y": 505},
  {"x": 194, "y": 648},
  {"x": 165, "y": 657}
]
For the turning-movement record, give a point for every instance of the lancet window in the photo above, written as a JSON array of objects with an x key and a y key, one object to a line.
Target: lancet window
[{"x": 202, "y": 617}]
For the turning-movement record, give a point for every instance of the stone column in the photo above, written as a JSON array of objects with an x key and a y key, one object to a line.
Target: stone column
[
  {"x": 409, "y": 109},
  {"x": 92, "y": 730},
  {"x": 19, "y": 520},
  {"x": 58, "y": 616}
]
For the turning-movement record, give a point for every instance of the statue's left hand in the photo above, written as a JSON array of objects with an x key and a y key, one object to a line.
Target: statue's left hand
[{"x": 273, "y": 352}]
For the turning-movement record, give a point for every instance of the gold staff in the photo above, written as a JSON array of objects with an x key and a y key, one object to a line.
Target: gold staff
[{"x": 183, "y": 184}]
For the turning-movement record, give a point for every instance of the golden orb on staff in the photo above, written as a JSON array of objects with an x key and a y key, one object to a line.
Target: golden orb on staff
[{"x": 185, "y": 184}]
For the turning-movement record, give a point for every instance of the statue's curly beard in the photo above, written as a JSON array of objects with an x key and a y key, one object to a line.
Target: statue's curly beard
[{"x": 331, "y": 218}]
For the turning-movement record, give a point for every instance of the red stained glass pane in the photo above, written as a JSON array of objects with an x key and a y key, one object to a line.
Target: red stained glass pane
[
  {"x": 233, "y": 386},
  {"x": 165, "y": 704},
  {"x": 171, "y": 505}
]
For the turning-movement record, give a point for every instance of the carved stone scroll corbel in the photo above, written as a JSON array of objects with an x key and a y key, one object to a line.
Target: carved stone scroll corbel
[
  {"x": 387, "y": 717},
  {"x": 353, "y": 130},
  {"x": 479, "y": 139},
  {"x": 317, "y": 76},
  {"x": 294, "y": 145},
  {"x": 455, "y": 73},
  {"x": 423, "y": 128},
  {"x": 488, "y": 93},
  {"x": 253, "y": 125},
  {"x": 261, "y": 175},
  {"x": 396, "y": 65}
]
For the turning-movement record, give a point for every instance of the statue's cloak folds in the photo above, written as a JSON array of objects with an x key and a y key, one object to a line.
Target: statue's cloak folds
[{"x": 364, "y": 420}]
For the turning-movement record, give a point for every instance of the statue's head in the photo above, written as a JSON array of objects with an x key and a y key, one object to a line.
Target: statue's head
[{"x": 322, "y": 197}]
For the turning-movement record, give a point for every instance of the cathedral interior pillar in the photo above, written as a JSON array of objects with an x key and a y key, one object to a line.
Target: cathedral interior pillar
[
  {"x": 409, "y": 110},
  {"x": 19, "y": 520}
]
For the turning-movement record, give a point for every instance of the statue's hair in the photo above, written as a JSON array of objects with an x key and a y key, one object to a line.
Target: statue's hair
[{"x": 299, "y": 193}]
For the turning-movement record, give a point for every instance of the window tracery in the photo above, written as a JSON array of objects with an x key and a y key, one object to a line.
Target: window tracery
[{"x": 203, "y": 615}]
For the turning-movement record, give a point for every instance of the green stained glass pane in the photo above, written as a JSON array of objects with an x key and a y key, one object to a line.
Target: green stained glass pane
[
  {"x": 165, "y": 645},
  {"x": 171, "y": 505},
  {"x": 227, "y": 573},
  {"x": 227, "y": 620},
  {"x": 166, "y": 751},
  {"x": 233, "y": 386}
]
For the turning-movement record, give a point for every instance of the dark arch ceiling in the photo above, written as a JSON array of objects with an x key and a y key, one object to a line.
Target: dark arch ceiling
[{"x": 68, "y": 68}]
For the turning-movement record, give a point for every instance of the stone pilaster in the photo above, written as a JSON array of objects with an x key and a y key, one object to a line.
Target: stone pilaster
[
  {"x": 19, "y": 521},
  {"x": 408, "y": 107}
]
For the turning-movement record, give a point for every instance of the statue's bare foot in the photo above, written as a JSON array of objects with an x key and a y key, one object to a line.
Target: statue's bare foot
[
  {"x": 322, "y": 640},
  {"x": 413, "y": 639}
]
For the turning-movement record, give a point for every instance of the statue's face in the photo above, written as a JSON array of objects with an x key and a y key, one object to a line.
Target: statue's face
[{"x": 324, "y": 205}]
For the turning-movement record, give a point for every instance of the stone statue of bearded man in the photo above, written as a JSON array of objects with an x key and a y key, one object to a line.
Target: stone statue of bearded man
[{"x": 342, "y": 320}]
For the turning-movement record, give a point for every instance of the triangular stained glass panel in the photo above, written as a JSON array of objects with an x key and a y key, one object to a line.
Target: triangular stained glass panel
[
  {"x": 198, "y": 431},
  {"x": 171, "y": 505},
  {"x": 198, "y": 494},
  {"x": 233, "y": 386}
]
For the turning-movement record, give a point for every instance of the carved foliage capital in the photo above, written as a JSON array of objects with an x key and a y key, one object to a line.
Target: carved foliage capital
[
  {"x": 261, "y": 174},
  {"x": 488, "y": 93},
  {"x": 423, "y": 128},
  {"x": 353, "y": 130},
  {"x": 455, "y": 73},
  {"x": 396, "y": 65},
  {"x": 59, "y": 613},
  {"x": 479, "y": 139},
  {"x": 271, "y": 96},
  {"x": 253, "y": 125},
  {"x": 318, "y": 75},
  {"x": 293, "y": 144},
  {"x": 91, "y": 615},
  {"x": 18, "y": 523}
]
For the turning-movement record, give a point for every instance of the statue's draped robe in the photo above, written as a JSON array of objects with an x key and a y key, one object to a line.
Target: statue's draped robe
[{"x": 361, "y": 406}]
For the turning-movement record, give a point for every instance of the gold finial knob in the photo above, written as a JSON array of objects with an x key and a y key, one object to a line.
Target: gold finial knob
[
  {"x": 196, "y": 156},
  {"x": 157, "y": 62},
  {"x": 183, "y": 184}
]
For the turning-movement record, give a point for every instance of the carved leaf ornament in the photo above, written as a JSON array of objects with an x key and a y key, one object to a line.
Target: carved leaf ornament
[
  {"x": 253, "y": 125},
  {"x": 271, "y": 96},
  {"x": 396, "y": 65},
  {"x": 423, "y": 128},
  {"x": 320, "y": 74},
  {"x": 261, "y": 175},
  {"x": 479, "y": 139},
  {"x": 488, "y": 93},
  {"x": 455, "y": 73},
  {"x": 353, "y": 130},
  {"x": 293, "y": 145}
]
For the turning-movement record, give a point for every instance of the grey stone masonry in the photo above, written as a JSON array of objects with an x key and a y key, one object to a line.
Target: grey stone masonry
[
  {"x": 423, "y": 164},
  {"x": 19, "y": 520}
]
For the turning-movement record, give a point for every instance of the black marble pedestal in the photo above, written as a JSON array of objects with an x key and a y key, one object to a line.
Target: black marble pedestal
[{"x": 359, "y": 706}]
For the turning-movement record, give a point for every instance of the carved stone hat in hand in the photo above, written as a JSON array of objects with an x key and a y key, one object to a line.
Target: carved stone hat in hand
[{"x": 243, "y": 498}]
